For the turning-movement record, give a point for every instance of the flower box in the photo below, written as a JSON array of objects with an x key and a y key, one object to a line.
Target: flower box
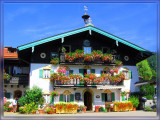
[{"x": 66, "y": 110}]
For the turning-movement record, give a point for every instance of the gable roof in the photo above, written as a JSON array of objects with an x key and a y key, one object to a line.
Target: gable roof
[{"x": 88, "y": 28}]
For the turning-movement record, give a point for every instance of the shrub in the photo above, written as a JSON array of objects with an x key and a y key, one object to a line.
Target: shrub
[
  {"x": 148, "y": 108},
  {"x": 148, "y": 91},
  {"x": 28, "y": 108},
  {"x": 30, "y": 96},
  {"x": 134, "y": 100},
  {"x": 21, "y": 110}
]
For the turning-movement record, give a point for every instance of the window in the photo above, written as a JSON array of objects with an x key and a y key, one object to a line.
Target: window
[
  {"x": 108, "y": 97},
  {"x": 66, "y": 98},
  {"x": 47, "y": 98},
  {"x": 105, "y": 50},
  {"x": 54, "y": 54},
  {"x": 87, "y": 50},
  {"x": 126, "y": 73},
  {"x": 67, "y": 72},
  {"x": 46, "y": 73},
  {"x": 67, "y": 47}
]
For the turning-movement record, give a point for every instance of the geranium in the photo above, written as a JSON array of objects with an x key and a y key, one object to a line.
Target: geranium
[
  {"x": 107, "y": 57},
  {"x": 107, "y": 105},
  {"x": 97, "y": 54},
  {"x": 114, "y": 70},
  {"x": 71, "y": 56},
  {"x": 55, "y": 93},
  {"x": 97, "y": 107},
  {"x": 89, "y": 57},
  {"x": 118, "y": 63},
  {"x": 98, "y": 80},
  {"x": 54, "y": 76},
  {"x": 79, "y": 53},
  {"x": 6, "y": 76},
  {"x": 5, "y": 99},
  {"x": 106, "y": 76},
  {"x": 62, "y": 70},
  {"x": 54, "y": 61}
]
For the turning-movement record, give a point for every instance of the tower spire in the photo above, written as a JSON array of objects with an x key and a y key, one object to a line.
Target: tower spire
[{"x": 85, "y": 16}]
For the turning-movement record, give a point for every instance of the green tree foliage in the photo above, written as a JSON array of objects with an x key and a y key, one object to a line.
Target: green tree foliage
[
  {"x": 144, "y": 70},
  {"x": 30, "y": 96},
  {"x": 148, "y": 91},
  {"x": 134, "y": 100},
  {"x": 152, "y": 61}
]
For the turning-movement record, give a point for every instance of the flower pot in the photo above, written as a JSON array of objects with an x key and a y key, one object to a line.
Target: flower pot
[
  {"x": 34, "y": 112},
  {"x": 96, "y": 109},
  {"x": 84, "y": 110},
  {"x": 40, "y": 111},
  {"x": 78, "y": 110},
  {"x": 134, "y": 108},
  {"x": 108, "y": 109}
]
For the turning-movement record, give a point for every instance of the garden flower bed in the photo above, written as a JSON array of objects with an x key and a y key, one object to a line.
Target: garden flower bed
[
  {"x": 123, "y": 106},
  {"x": 64, "y": 107}
]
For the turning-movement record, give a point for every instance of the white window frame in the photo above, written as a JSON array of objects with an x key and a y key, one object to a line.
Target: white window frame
[
  {"x": 48, "y": 73},
  {"x": 126, "y": 73},
  {"x": 87, "y": 50},
  {"x": 65, "y": 98}
]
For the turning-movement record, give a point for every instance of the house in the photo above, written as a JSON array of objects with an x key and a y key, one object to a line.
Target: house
[
  {"x": 38, "y": 55},
  {"x": 19, "y": 72}
]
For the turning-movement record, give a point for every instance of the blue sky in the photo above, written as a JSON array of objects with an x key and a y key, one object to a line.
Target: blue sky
[{"x": 28, "y": 22}]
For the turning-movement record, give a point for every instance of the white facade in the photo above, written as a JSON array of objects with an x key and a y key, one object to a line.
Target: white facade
[{"x": 47, "y": 85}]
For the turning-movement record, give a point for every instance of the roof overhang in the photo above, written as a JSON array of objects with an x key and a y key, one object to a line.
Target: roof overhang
[
  {"x": 89, "y": 29},
  {"x": 110, "y": 87}
]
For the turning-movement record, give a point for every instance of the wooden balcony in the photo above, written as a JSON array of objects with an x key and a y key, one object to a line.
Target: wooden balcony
[
  {"x": 76, "y": 83},
  {"x": 81, "y": 61},
  {"x": 19, "y": 79}
]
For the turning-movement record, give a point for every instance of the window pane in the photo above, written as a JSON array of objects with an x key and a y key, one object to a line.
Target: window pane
[
  {"x": 67, "y": 72},
  {"x": 64, "y": 98},
  {"x": 88, "y": 71},
  {"x": 87, "y": 50},
  {"x": 68, "y": 98}
]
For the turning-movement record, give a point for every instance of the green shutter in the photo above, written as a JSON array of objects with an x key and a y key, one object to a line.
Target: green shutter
[
  {"x": 61, "y": 97},
  {"x": 7, "y": 95},
  {"x": 81, "y": 72},
  {"x": 52, "y": 100},
  {"x": 103, "y": 97},
  {"x": 52, "y": 71},
  {"x": 101, "y": 72},
  {"x": 70, "y": 71},
  {"x": 41, "y": 73},
  {"x": 130, "y": 74},
  {"x": 113, "y": 96},
  {"x": 123, "y": 98},
  {"x": 92, "y": 70},
  {"x": 72, "y": 97}
]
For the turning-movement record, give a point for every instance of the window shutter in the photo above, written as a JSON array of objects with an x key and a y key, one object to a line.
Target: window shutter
[
  {"x": 101, "y": 72},
  {"x": 123, "y": 98},
  {"x": 61, "y": 97},
  {"x": 113, "y": 96},
  {"x": 72, "y": 97},
  {"x": 52, "y": 99},
  {"x": 92, "y": 70},
  {"x": 52, "y": 71},
  {"x": 41, "y": 73},
  {"x": 81, "y": 71},
  {"x": 70, "y": 71},
  {"x": 130, "y": 74},
  {"x": 7, "y": 95},
  {"x": 103, "y": 97}
]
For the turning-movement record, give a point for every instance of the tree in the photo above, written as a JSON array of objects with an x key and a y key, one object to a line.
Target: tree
[
  {"x": 144, "y": 70},
  {"x": 33, "y": 95},
  {"x": 148, "y": 91},
  {"x": 152, "y": 61}
]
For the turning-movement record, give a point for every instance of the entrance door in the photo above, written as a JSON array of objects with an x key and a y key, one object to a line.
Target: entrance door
[{"x": 88, "y": 100}]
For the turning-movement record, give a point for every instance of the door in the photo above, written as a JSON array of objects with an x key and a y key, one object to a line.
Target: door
[{"x": 88, "y": 100}]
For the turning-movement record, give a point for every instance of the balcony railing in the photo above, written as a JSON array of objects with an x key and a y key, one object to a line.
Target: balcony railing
[
  {"x": 81, "y": 61},
  {"x": 19, "y": 79},
  {"x": 76, "y": 82}
]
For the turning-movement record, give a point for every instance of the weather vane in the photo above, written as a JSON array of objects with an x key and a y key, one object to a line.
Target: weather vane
[{"x": 85, "y": 9}]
